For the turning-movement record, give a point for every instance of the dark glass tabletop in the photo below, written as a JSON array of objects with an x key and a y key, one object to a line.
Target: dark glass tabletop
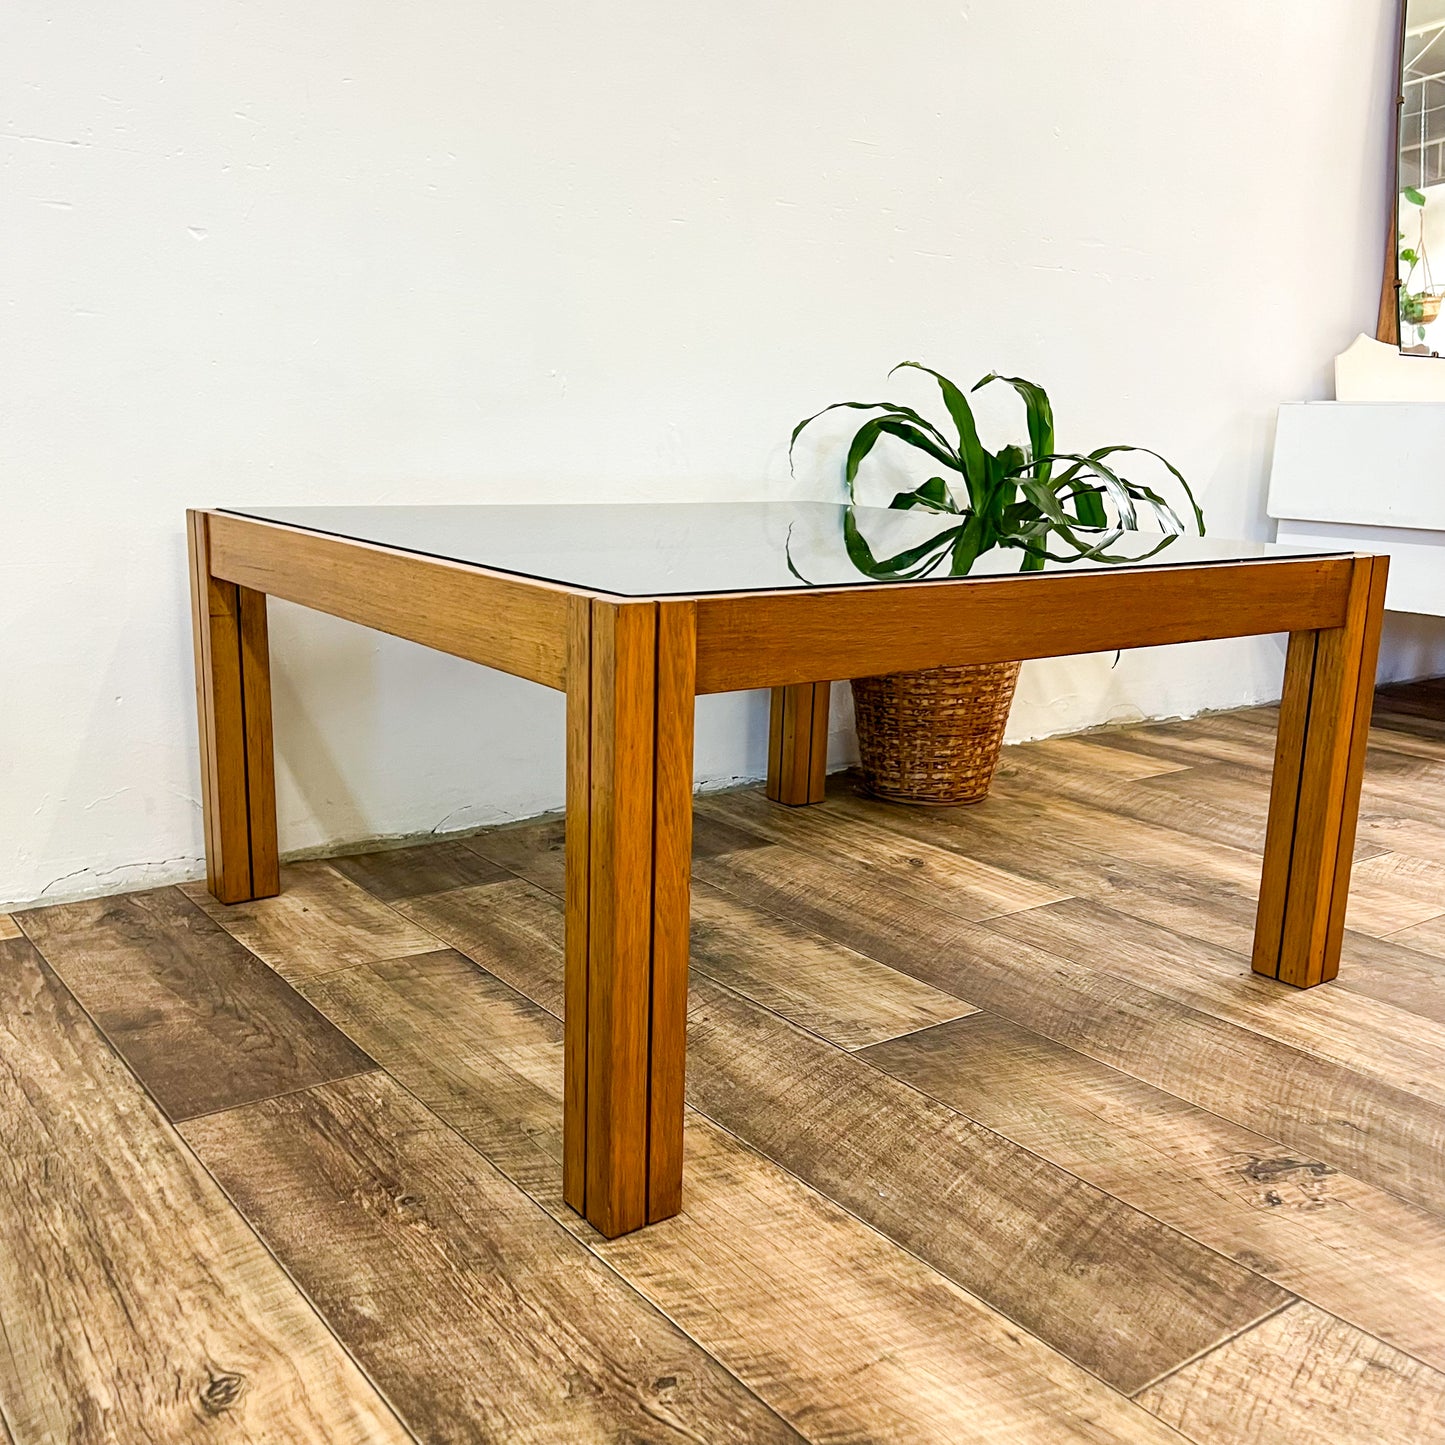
[{"x": 668, "y": 549}]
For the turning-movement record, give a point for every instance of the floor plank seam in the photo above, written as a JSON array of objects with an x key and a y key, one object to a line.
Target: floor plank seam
[
  {"x": 898, "y": 1244},
  {"x": 265, "y": 1244},
  {"x": 178, "y": 1141},
  {"x": 1156, "y": 993},
  {"x": 918, "y": 1259},
  {"x": 1190, "y": 1171},
  {"x": 1299, "y": 1294},
  {"x": 1395, "y": 933},
  {"x": 752, "y": 1148},
  {"x": 583, "y": 1236},
  {"x": 874, "y": 876},
  {"x": 1314, "y": 1051},
  {"x": 180, "y": 1119},
  {"x": 695, "y": 967},
  {"x": 1139, "y": 1078},
  {"x": 1142, "y": 988},
  {"x": 1229, "y": 1339}
]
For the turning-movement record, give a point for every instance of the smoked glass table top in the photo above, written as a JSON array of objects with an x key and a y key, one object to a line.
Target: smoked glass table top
[{"x": 670, "y": 549}]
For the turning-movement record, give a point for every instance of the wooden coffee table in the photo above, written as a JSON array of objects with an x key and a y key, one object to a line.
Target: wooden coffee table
[{"x": 635, "y": 610}]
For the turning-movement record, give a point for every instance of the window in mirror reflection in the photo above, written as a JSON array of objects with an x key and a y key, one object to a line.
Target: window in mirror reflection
[{"x": 1422, "y": 177}]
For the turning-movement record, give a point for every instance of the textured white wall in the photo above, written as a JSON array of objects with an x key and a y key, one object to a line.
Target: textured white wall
[{"x": 462, "y": 251}]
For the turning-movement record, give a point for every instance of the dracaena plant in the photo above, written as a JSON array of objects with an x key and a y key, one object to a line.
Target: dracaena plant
[{"x": 1028, "y": 498}]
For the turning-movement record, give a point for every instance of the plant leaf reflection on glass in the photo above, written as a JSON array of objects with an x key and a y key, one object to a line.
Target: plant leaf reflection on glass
[{"x": 1029, "y": 498}]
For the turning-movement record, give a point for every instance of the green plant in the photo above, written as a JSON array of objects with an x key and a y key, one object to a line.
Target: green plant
[
  {"x": 1014, "y": 497},
  {"x": 1417, "y": 308}
]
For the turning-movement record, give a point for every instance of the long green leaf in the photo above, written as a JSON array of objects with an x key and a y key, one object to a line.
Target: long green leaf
[
  {"x": 905, "y": 412},
  {"x": 861, "y": 554},
  {"x": 1113, "y": 486},
  {"x": 973, "y": 540},
  {"x": 1168, "y": 466},
  {"x": 892, "y": 569},
  {"x": 1088, "y": 506},
  {"x": 970, "y": 450},
  {"x": 1094, "y": 460},
  {"x": 1043, "y": 497},
  {"x": 1039, "y": 411},
  {"x": 867, "y": 435},
  {"x": 932, "y": 496},
  {"x": 1002, "y": 485},
  {"x": 1098, "y": 552}
]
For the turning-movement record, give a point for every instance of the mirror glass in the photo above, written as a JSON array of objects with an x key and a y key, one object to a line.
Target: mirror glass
[{"x": 1420, "y": 238}]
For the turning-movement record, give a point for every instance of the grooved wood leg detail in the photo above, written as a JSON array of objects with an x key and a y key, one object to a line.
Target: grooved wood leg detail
[
  {"x": 1315, "y": 792},
  {"x": 671, "y": 903},
  {"x": 629, "y": 826},
  {"x": 255, "y": 657},
  {"x": 233, "y": 708},
  {"x": 798, "y": 743},
  {"x": 576, "y": 930},
  {"x": 1373, "y": 604}
]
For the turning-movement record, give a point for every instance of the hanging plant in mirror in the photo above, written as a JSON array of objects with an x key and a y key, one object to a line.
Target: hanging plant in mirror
[
  {"x": 1419, "y": 305},
  {"x": 935, "y": 736}
]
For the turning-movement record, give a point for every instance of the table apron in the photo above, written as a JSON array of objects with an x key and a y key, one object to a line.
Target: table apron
[
  {"x": 516, "y": 625},
  {"x": 752, "y": 640}
]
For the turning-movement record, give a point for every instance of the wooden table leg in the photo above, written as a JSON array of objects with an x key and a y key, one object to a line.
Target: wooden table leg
[
  {"x": 630, "y": 703},
  {"x": 1314, "y": 800},
  {"x": 798, "y": 743},
  {"x": 233, "y": 709}
]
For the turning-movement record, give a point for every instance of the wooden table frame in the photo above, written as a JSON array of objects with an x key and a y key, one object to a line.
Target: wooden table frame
[{"x": 631, "y": 669}]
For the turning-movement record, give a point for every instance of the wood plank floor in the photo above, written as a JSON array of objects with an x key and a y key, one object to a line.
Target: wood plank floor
[{"x": 992, "y": 1136}]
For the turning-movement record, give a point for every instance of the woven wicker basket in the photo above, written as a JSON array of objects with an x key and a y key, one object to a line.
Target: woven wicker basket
[{"x": 934, "y": 736}]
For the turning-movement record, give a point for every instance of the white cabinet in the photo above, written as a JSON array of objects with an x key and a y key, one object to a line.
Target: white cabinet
[{"x": 1369, "y": 476}]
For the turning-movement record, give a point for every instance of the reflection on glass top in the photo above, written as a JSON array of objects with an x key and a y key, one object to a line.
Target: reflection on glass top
[{"x": 666, "y": 549}]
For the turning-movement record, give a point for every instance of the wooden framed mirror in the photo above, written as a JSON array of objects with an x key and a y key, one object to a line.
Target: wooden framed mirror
[{"x": 1413, "y": 292}]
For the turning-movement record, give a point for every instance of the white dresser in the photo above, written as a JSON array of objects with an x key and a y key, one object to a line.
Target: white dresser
[{"x": 1369, "y": 476}]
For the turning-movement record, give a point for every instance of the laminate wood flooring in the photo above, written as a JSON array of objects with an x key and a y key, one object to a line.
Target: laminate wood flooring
[{"x": 992, "y": 1136}]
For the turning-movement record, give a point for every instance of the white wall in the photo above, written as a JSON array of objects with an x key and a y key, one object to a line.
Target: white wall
[{"x": 484, "y": 251}]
